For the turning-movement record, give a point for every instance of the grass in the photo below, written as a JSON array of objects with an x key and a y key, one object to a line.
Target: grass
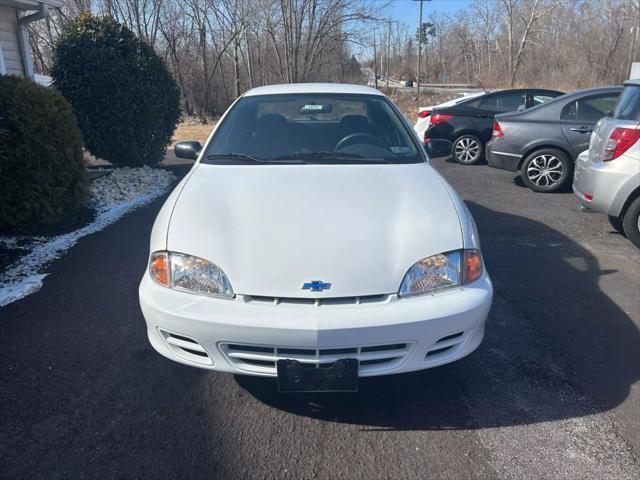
[
  {"x": 406, "y": 101},
  {"x": 192, "y": 128}
]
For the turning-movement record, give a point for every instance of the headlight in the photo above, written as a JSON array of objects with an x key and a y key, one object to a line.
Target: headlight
[
  {"x": 444, "y": 270},
  {"x": 189, "y": 274}
]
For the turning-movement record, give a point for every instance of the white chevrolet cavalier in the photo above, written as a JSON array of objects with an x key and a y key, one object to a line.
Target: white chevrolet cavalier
[{"x": 312, "y": 241}]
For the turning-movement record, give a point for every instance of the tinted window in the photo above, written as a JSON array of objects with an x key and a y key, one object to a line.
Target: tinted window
[
  {"x": 314, "y": 127},
  {"x": 628, "y": 107},
  {"x": 507, "y": 102},
  {"x": 590, "y": 109},
  {"x": 539, "y": 99}
]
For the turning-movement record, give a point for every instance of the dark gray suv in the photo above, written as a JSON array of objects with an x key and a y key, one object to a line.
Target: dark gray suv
[{"x": 543, "y": 142}]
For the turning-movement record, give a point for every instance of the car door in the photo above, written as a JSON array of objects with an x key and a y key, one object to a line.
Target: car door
[
  {"x": 580, "y": 116},
  {"x": 501, "y": 102}
]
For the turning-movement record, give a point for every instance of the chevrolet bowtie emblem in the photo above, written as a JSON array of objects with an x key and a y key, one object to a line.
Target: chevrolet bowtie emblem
[{"x": 316, "y": 286}]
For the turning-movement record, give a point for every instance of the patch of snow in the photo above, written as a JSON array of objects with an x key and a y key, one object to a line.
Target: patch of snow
[
  {"x": 112, "y": 196},
  {"x": 19, "y": 242}
]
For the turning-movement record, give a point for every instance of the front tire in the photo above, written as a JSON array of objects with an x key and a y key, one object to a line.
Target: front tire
[
  {"x": 467, "y": 150},
  {"x": 616, "y": 223},
  {"x": 547, "y": 170},
  {"x": 631, "y": 222}
]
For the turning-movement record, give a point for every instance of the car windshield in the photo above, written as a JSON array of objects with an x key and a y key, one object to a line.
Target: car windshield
[{"x": 312, "y": 128}]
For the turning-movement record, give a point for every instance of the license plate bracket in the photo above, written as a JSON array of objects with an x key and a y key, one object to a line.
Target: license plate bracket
[{"x": 294, "y": 376}]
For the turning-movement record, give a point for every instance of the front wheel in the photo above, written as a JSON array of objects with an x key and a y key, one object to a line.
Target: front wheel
[
  {"x": 616, "y": 223},
  {"x": 547, "y": 170},
  {"x": 631, "y": 222},
  {"x": 467, "y": 150}
]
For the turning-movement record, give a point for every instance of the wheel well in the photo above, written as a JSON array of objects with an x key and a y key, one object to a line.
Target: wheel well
[
  {"x": 526, "y": 154},
  {"x": 635, "y": 194},
  {"x": 466, "y": 133}
]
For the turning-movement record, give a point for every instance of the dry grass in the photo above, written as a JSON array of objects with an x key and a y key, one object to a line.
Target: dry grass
[
  {"x": 192, "y": 129},
  {"x": 407, "y": 101},
  {"x": 92, "y": 161}
]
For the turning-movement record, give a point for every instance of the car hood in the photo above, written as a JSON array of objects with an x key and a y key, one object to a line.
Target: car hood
[{"x": 271, "y": 228}]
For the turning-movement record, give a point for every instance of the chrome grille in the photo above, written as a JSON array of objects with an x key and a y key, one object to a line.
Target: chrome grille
[{"x": 263, "y": 358}]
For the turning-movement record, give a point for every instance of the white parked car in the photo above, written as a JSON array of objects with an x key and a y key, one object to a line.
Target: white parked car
[
  {"x": 313, "y": 241},
  {"x": 424, "y": 113},
  {"x": 607, "y": 175}
]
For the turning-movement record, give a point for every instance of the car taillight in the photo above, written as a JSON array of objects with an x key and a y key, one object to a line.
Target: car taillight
[
  {"x": 497, "y": 130},
  {"x": 620, "y": 140},
  {"x": 439, "y": 117},
  {"x": 424, "y": 113}
]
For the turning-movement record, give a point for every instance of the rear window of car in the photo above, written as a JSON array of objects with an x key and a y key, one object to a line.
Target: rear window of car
[
  {"x": 590, "y": 109},
  {"x": 539, "y": 99},
  {"x": 324, "y": 128},
  {"x": 628, "y": 106},
  {"x": 505, "y": 102}
]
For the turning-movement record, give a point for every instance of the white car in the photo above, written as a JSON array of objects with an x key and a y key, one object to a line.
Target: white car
[
  {"x": 313, "y": 232},
  {"x": 424, "y": 113}
]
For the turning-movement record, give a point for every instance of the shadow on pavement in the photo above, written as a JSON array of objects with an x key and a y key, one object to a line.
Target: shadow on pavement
[
  {"x": 556, "y": 347},
  {"x": 518, "y": 182},
  {"x": 481, "y": 162}
]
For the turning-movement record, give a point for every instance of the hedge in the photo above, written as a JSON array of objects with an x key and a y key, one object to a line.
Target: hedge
[
  {"x": 42, "y": 174},
  {"x": 125, "y": 99}
]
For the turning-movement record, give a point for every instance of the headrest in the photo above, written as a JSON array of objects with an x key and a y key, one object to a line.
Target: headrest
[{"x": 355, "y": 123}]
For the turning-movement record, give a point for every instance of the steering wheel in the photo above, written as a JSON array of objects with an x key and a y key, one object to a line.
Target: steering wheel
[{"x": 358, "y": 137}]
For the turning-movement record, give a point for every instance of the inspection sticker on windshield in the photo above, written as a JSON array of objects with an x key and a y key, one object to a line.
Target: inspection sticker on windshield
[{"x": 400, "y": 149}]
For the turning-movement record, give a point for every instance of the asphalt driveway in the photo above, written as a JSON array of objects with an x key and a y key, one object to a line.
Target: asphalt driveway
[{"x": 551, "y": 393}]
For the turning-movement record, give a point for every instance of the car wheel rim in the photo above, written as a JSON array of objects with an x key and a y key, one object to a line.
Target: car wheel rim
[
  {"x": 467, "y": 150},
  {"x": 545, "y": 171}
]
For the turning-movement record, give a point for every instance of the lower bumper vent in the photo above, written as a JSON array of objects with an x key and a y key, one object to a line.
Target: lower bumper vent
[
  {"x": 263, "y": 359},
  {"x": 444, "y": 346},
  {"x": 186, "y": 347}
]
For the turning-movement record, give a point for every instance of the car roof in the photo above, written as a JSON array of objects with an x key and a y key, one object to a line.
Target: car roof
[
  {"x": 589, "y": 91},
  {"x": 635, "y": 82},
  {"x": 466, "y": 100},
  {"x": 289, "y": 88},
  {"x": 567, "y": 97},
  {"x": 454, "y": 101},
  {"x": 518, "y": 90},
  {"x": 555, "y": 105}
]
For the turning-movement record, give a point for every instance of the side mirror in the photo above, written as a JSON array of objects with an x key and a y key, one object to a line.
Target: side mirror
[
  {"x": 438, "y": 148},
  {"x": 190, "y": 149}
]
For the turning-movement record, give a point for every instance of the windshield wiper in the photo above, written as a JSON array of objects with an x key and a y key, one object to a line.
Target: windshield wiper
[
  {"x": 243, "y": 158},
  {"x": 331, "y": 156}
]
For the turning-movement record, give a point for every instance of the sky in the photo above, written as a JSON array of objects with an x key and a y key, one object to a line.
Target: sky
[{"x": 408, "y": 11}]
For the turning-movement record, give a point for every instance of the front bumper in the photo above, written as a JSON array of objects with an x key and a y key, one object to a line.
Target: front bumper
[{"x": 246, "y": 335}]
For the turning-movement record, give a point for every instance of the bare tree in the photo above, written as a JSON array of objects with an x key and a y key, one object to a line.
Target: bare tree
[{"x": 218, "y": 48}]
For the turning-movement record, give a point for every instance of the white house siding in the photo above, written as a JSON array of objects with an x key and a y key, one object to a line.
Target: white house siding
[{"x": 10, "y": 47}]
